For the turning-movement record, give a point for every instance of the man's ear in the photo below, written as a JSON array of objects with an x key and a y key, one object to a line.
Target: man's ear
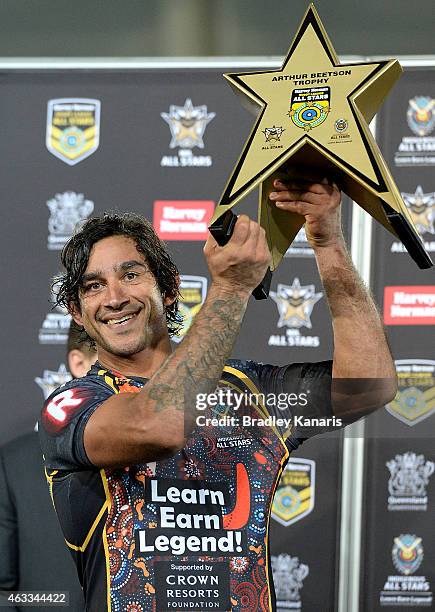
[
  {"x": 170, "y": 299},
  {"x": 78, "y": 363},
  {"x": 75, "y": 313}
]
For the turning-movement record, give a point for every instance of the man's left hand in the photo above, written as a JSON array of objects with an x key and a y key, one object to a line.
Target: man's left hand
[{"x": 318, "y": 201}]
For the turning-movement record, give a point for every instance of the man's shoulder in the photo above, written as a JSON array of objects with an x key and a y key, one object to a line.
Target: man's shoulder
[
  {"x": 69, "y": 402},
  {"x": 94, "y": 379}
]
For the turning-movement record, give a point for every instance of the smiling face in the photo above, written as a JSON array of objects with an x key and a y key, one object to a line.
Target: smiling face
[{"x": 121, "y": 307}]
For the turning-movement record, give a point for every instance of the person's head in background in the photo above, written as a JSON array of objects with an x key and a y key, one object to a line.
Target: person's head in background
[{"x": 81, "y": 354}]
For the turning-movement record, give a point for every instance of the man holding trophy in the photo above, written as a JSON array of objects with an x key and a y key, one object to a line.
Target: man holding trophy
[
  {"x": 140, "y": 485},
  {"x": 164, "y": 505}
]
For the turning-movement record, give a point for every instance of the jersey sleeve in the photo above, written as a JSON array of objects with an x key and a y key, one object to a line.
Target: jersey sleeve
[
  {"x": 63, "y": 421},
  {"x": 298, "y": 396}
]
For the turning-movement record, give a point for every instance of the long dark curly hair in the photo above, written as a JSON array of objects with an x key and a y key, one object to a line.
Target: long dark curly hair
[{"x": 75, "y": 257}]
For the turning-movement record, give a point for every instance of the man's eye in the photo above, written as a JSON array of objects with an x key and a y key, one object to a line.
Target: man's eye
[
  {"x": 131, "y": 275},
  {"x": 92, "y": 287}
]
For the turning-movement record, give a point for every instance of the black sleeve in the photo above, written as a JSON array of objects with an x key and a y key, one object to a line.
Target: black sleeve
[
  {"x": 300, "y": 392},
  {"x": 63, "y": 420},
  {"x": 8, "y": 535}
]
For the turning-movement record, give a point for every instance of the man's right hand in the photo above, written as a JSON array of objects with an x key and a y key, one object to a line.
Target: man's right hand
[{"x": 241, "y": 264}]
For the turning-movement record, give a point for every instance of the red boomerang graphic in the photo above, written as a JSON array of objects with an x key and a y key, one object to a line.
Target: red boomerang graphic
[{"x": 239, "y": 516}]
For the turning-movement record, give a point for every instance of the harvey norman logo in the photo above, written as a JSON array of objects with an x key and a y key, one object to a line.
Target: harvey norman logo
[
  {"x": 182, "y": 219},
  {"x": 411, "y": 305}
]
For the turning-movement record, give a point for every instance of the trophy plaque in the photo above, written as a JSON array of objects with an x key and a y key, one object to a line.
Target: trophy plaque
[{"x": 314, "y": 113}]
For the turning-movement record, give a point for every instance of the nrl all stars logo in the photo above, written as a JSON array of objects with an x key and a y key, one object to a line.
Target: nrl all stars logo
[
  {"x": 187, "y": 124},
  {"x": 309, "y": 107},
  {"x": 422, "y": 208},
  {"x": 295, "y": 305}
]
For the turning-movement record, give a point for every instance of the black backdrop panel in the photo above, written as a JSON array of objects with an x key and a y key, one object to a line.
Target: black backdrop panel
[
  {"x": 133, "y": 167},
  {"x": 399, "y": 557}
]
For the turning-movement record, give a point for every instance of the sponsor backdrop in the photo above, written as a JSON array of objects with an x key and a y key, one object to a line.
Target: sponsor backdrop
[
  {"x": 399, "y": 550},
  {"x": 163, "y": 143},
  {"x": 160, "y": 143}
]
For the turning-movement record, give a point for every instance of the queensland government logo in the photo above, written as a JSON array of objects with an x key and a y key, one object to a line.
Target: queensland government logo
[
  {"x": 415, "y": 400},
  {"x": 288, "y": 576},
  {"x": 193, "y": 290},
  {"x": 295, "y": 304},
  {"x": 67, "y": 210},
  {"x": 73, "y": 128},
  {"x": 294, "y": 496},
  {"x": 51, "y": 380},
  {"x": 187, "y": 124},
  {"x": 418, "y": 150},
  {"x": 409, "y": 477},
  {"x": 406, "y": 589},
  {"x": 422, "y": 208},
  {"x": 309, "y": 107}
]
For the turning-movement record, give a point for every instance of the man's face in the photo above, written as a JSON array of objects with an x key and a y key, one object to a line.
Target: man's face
[{"x": 122, "y": 308}]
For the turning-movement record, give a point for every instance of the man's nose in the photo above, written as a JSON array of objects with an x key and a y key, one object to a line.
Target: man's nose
[{"x": 116, "y": 297}]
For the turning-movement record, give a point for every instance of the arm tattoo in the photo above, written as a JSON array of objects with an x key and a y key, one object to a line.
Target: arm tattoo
[{"x": 197, "y": 364}]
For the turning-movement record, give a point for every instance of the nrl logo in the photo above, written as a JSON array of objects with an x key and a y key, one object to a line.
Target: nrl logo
[
  {"x": 187, "y": 124},
  {"x": 295, "y": 304},
  {"x": 73, "y": 128},
  {"x": 288, "y": 577},
  {"x": 407, "y": 553},
  {"x": 422, "y": 208},
  {"x": 309, "y": 107},
  {"x": 409, "y": 477},
  {"x": 51, "y": 380},
  {"x": 420, "y": 115},
  {"x": 193, "y": 290},
  {"x": 66, "y": 211},
  {"x": 415, "y": 400},
  {"x": 294, "y": 496}
]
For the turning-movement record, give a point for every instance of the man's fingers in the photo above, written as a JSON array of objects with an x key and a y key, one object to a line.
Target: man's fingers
[
  {"x": 295, "y": 195},
  {"x": 320, "y": 187},
  {"x": 299, "y": 207},
  {"x": 241, "y": 230}
]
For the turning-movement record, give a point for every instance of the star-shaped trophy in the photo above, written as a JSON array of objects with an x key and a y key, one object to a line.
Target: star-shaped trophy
[{"x": 313, "y": 113}]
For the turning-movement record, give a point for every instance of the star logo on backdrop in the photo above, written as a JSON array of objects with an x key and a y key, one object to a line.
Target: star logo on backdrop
[
  {"x": 51, "y": 380},
  {"x": 187, "y": 124},
  {"x": 295, "y": 304},
  {"x": 422, "y": 208}
]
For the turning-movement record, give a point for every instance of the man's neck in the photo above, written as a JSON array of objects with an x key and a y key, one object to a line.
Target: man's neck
[{"x": 143, "y": 364}]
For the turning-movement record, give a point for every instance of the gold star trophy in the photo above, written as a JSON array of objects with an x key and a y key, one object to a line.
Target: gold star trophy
[{"x": 314, "y": 113}]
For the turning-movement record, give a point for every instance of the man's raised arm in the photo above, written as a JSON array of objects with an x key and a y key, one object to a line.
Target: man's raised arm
[{"x": 364, "y": 376}]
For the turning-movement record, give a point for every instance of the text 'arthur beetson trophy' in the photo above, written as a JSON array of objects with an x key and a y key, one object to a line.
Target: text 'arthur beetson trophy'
[{"x": 314, "y": 113}]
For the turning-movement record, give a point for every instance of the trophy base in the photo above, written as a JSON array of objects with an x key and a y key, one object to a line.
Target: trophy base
[{"x": 222, "y": 230}]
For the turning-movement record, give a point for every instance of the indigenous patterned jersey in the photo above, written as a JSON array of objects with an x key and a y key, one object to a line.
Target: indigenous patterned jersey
[{"x": 189, "y": 532}]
